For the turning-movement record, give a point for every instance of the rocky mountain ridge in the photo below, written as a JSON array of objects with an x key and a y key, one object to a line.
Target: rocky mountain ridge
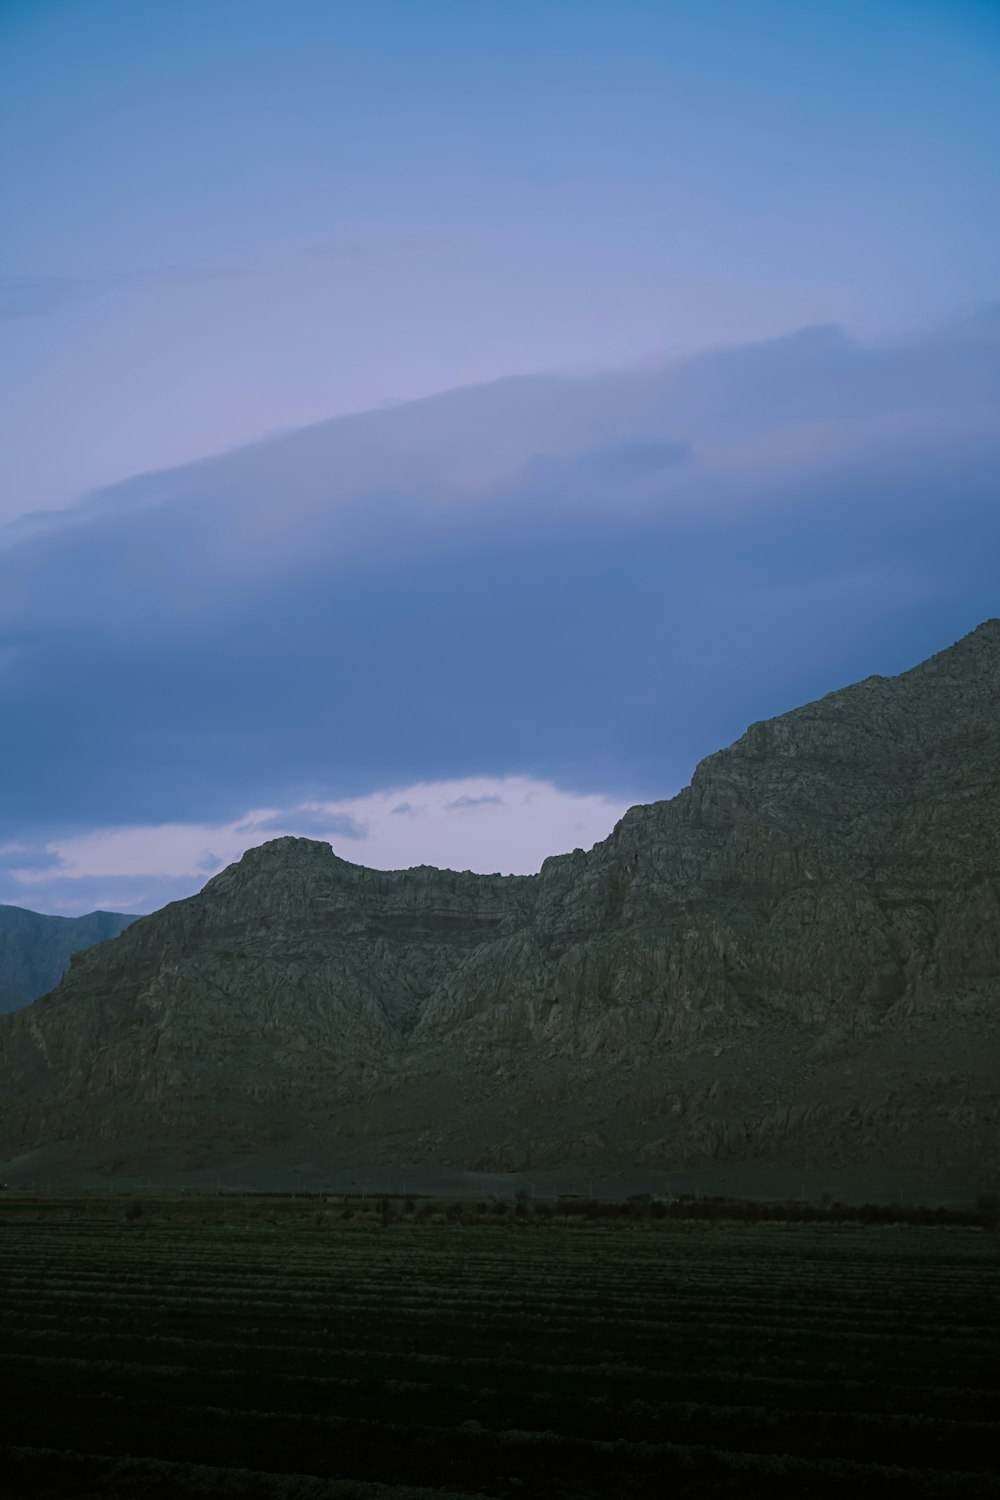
[
  {"x": 35, "y": 949},
  {"x": 795, "y": 959}
]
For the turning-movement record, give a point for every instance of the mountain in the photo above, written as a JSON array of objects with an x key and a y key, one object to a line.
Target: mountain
[
  {"x": 796, "y": 960},
  {"x": 35, "y": 950}
]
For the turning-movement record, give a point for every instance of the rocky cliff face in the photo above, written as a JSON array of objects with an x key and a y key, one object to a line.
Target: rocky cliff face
[
  {"x": 35, "y": 950},
  {"x": 796, "y": 959}
]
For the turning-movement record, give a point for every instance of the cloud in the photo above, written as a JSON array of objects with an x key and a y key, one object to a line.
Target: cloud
[
  {"x": 520, "y": 822},
  {"x": 310, "y": 821},
  {"x": 630, "y": 461},
  {"x": 590, "y": 583},
  {"x": 33, "y": 296},
  {"x": 377, "y": 245}
]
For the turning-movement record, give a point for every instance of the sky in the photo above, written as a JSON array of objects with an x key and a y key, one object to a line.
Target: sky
[{"x": 436, "y": 427}]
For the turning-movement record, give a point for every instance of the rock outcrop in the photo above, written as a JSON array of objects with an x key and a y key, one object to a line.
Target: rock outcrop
[
  {"x": 35, "y": 949},
  {"x": 795, "y": 959}
]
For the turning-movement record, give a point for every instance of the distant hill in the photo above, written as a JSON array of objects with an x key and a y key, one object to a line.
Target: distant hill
[
  {"x": 35, "y": 950},
  {"x": 795, "y": 961}
]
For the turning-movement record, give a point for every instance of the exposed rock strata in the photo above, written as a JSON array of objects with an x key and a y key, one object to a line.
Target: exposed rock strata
[{"x": 797, "y": 958}]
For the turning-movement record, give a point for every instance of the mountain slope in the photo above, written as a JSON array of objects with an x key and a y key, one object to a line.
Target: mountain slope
[
  {"x": 796, "y": 959},
  {"x": 35, "y": 950}
]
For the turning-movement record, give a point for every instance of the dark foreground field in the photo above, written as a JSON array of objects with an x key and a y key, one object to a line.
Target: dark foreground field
[{"x": 311, "y": 1357}]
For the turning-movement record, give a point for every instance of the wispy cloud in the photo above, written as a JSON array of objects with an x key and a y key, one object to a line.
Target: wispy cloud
[
  {"x": 33, "y": 296},
  {"x": 376, "y": 245},
  {"x": 310, "y": 820},
  {"x": 486, "y": 800}
]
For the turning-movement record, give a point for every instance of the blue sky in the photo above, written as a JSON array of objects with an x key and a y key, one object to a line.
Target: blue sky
[{"x": 533, "y": 600}]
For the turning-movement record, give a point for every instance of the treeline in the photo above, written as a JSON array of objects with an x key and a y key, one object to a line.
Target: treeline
[
  {"x": 646, "y": 1208},
  {"x": 984, "y": 1214},
  {"x": 642, "y": 1210}
]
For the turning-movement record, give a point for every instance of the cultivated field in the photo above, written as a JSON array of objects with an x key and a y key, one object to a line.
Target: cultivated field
[{"x": 320, "y": 1356}]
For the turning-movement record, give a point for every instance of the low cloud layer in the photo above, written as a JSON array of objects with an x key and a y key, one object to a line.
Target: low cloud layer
[
  {"x": 584, "y": 583},
  {"x": 506, "y": 827},
  {"x": 35, "y": 296}
]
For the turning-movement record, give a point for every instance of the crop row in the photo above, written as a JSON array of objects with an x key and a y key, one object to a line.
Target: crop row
[
  {"x": 375, "y": 1259},
  {"x": 461, "y": 1262},
  {"x": 654, "y": 1289},
  {"x": 966, "y": 1311},
  {"x": 619, "y": 1367},
  {"x": 616, "y": 1377},
  {"x": 690, "y": 1346},
  {"x": 872, "y": 1437},
  {"x": 460, "y": 1455},
  {"x": 571, "y": 1278}
]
